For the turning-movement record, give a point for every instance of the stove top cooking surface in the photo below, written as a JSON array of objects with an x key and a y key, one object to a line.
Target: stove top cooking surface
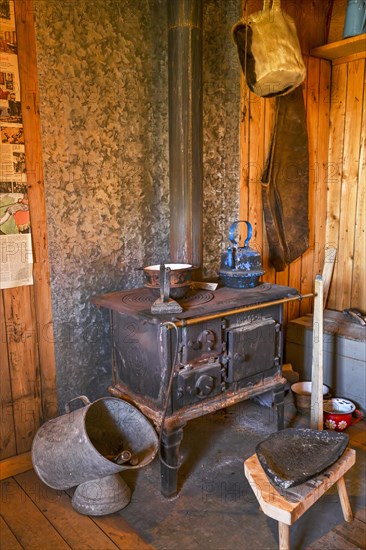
[
  {"x": 138, "y": 301},
  {"x": 136, "y": 298}
]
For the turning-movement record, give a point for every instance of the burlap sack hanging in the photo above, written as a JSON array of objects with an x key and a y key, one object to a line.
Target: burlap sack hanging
[{"x": 269, "y": 51}]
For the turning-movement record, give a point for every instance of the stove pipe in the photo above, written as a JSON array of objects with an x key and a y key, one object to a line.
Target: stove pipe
[{"x": 185, "y": 130}]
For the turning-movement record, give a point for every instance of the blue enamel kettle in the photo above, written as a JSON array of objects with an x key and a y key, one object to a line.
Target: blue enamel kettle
[{"x": 240, "y": 266}]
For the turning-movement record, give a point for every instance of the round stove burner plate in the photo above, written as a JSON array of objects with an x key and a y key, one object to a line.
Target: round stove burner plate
[
  {"x": 262, "y": 287},
  {"x": 196, "y": 298},
  {"x": 147, "y": 297}
]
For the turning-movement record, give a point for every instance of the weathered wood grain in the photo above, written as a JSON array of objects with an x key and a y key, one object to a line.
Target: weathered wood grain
[
  {"x": 321, "y": 166},
  {"x": 7, "y": 428},
  {"x": 269, "y": 105},
  {"x": 351, "y": 153},
  {"x": 358, "y": 292},
  {"x": 24, "y": 16},
  {"x": 77, "y": 530},
  {"x": 335, "y": 166},
  {"x": 24, "y": 365},
  {"x": 27, "y": 523},
  {"x": 8, "y": 540},
  {"x": 312, "y": 112},
  {"x": 15, "y": 465}
]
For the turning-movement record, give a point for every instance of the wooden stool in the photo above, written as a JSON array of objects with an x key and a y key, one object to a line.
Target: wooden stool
[{"x": 298, "y": 499}]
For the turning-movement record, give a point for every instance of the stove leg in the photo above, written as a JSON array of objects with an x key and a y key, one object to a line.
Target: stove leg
[
  {"x": 279, "y": 403},
  {"x": 171, "y": 440}
]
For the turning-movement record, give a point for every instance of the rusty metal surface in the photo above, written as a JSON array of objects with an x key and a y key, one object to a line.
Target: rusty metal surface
[
  {"x": 139, "y": 301},
  {"x": 185, "y": 130},
  {"x": 229, "y": 353},
  {"x": 205, "y": 407}
]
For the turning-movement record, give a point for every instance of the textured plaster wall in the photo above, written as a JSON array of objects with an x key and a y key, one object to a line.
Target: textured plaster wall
[
  {"x": 221, "y": 111},
  {"x": 102, "y": 68}
]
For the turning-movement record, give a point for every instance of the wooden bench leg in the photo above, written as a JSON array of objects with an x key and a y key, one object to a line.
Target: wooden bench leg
[
  {"x": 343, "y": 497},
  {"x": 283, "y": 536}
]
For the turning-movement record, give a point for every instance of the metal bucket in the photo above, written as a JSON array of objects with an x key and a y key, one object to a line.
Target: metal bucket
[{"x": 73, "y": 448}]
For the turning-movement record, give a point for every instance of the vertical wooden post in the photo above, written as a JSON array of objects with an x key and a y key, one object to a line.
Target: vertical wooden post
[
  {"x": 316, "y": 417},
  {"x": 24, "y": 19},
  {"x": 185, "y": 130}
]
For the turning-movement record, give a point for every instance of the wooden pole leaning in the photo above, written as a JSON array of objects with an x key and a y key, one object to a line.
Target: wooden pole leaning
[{"x": 316, "y": 415}]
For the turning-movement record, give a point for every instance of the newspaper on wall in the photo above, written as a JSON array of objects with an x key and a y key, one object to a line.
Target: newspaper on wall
[
  {"x": 15, "y": 236},
  {"x": 16, "y": 262}
]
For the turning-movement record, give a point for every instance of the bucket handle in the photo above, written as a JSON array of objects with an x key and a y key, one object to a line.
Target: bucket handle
[
  {"x": 232, "y": 230},
  {"x": 82, "y": 398}
]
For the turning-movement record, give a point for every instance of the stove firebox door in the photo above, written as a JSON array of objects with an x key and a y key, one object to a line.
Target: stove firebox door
[
  {"x": 201, "y": 341},
  {"x": 194, "y": 385},
  {"x": 253, "y": 348}
]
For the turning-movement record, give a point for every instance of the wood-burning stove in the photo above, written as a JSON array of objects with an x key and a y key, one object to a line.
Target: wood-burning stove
[{"x": 227, "y": 345}]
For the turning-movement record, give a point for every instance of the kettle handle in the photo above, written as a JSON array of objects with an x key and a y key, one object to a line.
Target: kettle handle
[{"x": 232, "y": 229}]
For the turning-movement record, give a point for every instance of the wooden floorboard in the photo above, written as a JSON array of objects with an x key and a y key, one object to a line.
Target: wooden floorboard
[
  {"x": 33, "y": 516},
  {"x": 345, "y": 536},
  {"x": 7, "y": 538},
  {"x": 77, "y": 530},
  {"x": 30, "y": 527},
  {"x": 354, "y": 533},
  {"x": 361, "y": 514},
  {"x": 36, "y": 516}
]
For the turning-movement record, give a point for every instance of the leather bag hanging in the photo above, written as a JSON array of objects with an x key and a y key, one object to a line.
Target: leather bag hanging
[
  {"x": 269, "y": 51},
  {"x": 285, "y": 183}
]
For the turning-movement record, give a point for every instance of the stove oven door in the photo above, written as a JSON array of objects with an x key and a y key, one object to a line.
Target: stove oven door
[{"x": 253, "y": 349}]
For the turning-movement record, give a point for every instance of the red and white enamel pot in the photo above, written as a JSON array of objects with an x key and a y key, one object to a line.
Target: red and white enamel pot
[{"x": 340, "y": 413}]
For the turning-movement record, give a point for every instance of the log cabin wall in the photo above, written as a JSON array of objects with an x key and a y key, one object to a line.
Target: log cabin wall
[
  {"x": 334, "y": 99},
  {"x": 28, "y": 387},
  {"x": 256, "y": 135},
  {"x": 346, "y": 206}
]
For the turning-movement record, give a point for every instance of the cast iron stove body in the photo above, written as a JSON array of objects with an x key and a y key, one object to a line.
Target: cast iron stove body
[{"x": 229, "y": 349}]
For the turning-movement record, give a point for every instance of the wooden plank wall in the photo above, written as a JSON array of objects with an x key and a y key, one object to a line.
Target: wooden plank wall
[
  {"x": 28, "y": 384},
  {"x": 346, "y": 206},
  {"x": 256, "y": 129},
  {"x": 335, "y": 103}
]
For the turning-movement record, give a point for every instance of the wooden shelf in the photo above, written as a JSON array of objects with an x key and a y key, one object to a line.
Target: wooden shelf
[{"x": 342, "y": 48}]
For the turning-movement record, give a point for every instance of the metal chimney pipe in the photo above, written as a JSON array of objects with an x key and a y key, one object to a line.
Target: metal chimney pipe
[{"x": 185, "y": 130}]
